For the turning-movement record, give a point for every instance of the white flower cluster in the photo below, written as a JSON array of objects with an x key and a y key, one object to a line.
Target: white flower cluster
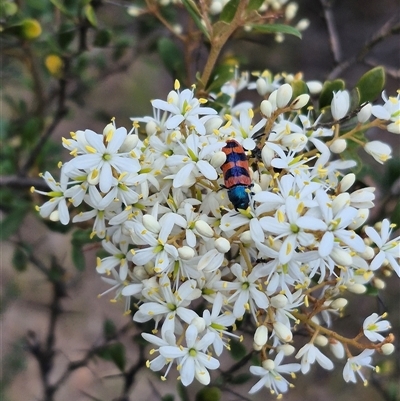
[{"x": 194, "y": 264}]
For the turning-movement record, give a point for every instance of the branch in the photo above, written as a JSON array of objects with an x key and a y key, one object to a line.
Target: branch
[
  {"x": 391, "y": 27},
  {"x": 334, "y": 41}
]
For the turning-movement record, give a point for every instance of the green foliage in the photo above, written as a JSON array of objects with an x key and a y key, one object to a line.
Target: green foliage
[
  {"x": 11, "y": 223},
  {"x": 241, "y": 378},
  {"x": 115, "y": 353},
  {"x": 109, "y": 329},
  {"x": 20, "y": 257},
  {"x": 80, "y": 238},
  {"x": 229, "y": 11},
  {"x": 238, "y": 350},
  {"x": 209, "y": 394},
  {"x": 276, "y": 28},
  {"x": 326, "y": 95},
  {"x": 172, "y": 57},
  {"x": 371, "y": 84},
  {"x": 194, "y": 12}
]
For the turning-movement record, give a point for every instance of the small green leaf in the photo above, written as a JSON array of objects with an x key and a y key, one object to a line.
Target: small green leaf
[
  {"x": 59, "y": 4},
  {"x": 194, "y": 12},
  {"x": 109, "y": 329},
  {"x": 371, "y": 84},
  {"x": 240, "y": 379},
  {"x": 172, "y": 57},
  {"x": 209, "y": 394},
  {"x": 238, "y": 350},
  {"x": 326, "y": 96},
  {"x": 66, "y": 35},
  {"x": 229, "y": 11},
  {"x": 223, "y": 74},
  {"x": 168, "y": 397},
  {"x": 114, "y": 353},
  {"x": 299, "y": 88},
  {"x": 354, "y": 99},
  {"x": 90, "y": 14},
  {"x": 276, "y": 28},
  {"x": 20, "y": 259},
  {"x": 255, "y": 4},
  {"x": 102, "y": 38},
  {"x": 11, "y": 223}
]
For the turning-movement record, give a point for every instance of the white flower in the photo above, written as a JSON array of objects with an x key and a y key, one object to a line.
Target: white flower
[
  {"x": 101, "y": 155},
  {"x": 246, "y": 293},
  {"x": 389, "y": 250},
  {"x": 309, "y": 353},
  {"x": 118, "y": 258},
  {"x": 193, "y": 361},
  {"x": 57, "y": 199},
  {"x": 340, "y": 104},
  {"x": 372, "y": 326},
  {"x": 271, "y": 375},
  {"x": 380, "y": 151},
  {"x": 354, "y": 365}
]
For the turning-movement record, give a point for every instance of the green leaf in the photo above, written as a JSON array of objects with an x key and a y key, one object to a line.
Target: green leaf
[
  {"x": 102, "y": 38},
  {"x": 221, "y": 75},
  {"x": 238, "y": 350},
  {"x": 172, "y": 57},
  {"x": 241, "y": 379},
  {"x": 299, "y": 88},
  {"x": 109, "y": 329},
  {"x": 255, "y": 4},
  {"x": 209, "y": 394},
  {"x": 229, "y": 11},
  {"x": 114, "y": 353},
  {"x": 79, "y": 239},
  {"x": 371, "y": 84},
  {"x": 66, "y": 35},
  {"x": 326, "y": 96},
  {"x": 11, "y": 223},
  {"x": 20, "y": 258},
  {"x": 194, "y": 12},
  {"x": 59, "y": 4},
  {"x": 276, "y": 28},
  {"x": 90, "y": 14}
]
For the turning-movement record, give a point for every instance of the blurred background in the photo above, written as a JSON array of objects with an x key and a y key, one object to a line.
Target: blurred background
[{"x": 122, "y": 86}]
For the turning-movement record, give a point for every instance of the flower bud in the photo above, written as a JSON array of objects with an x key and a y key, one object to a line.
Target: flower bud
[
  {"x": 284, "y": 95},
  {"x": 245, "y": 238},
  {"x": 357, "y": 288},
  {"x": 341, "y": 257},
  {"x": 151, "y": 223},
  {"x": 368, "y": 253},
  {"x": 291, "y": 11},
  {"x": 268, "y": 364},
  {"x": 130, "y": 143},
  {"x": 337, "y": 348},
  {"x": 175, "y": 136},
  {"x": 338, "y": 303},
  {"x": 186, "y": 252},
  {"x": 267, "y": 154},
  {"x": 222, "y": 245},
  {"x": 199, "y": 323},
  {"x": 140, "y": 273},
  {"x": 55, "y": 65},
  {"x": 340, "y": 202},
  {"x": 257, "y": 347},
  {"x": 279, "y": 301},
  {"x": 30, "y": 29},
  {"x": 300, "y": 101},
  {"x": 212, "y": 124},
  {"x": 266, "y": 108},
  {"x": 380, "y": 151},
  {"x": 261, "y": 336},
  {"x": 387, "y": 349},
  {"x": 54, "y": 215},
  {"x": 134, "y": 11},
  {"x": 379, "y": 284},
  {"x": 347, "y": 181},
  {"x": 303, "y": 24},
  {"x": 151, "y": 128},
  {"x": 314, "y": 87},
  {"x": 321, "y": 340},
  {"x": 261, "y": 86},
  {"x": 218, "y": 159},
  {"x": 365, "y": 113},
  {"x": 338, "y": 146},
  {"x": 283, "y": 332},
  {"x": 204, "y": 229},
  {"x": 394, "y": 127},
  {"x": 340, "y": 104},
  {"x": 272, "y": 99},
  {"x": 286, "y": 348},
  {"x": 215, "y": 7}
]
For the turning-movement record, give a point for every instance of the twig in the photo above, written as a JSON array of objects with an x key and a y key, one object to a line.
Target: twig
[
  {"x": 332, "y": 31},
  {"x": 388, "y": 29}
]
